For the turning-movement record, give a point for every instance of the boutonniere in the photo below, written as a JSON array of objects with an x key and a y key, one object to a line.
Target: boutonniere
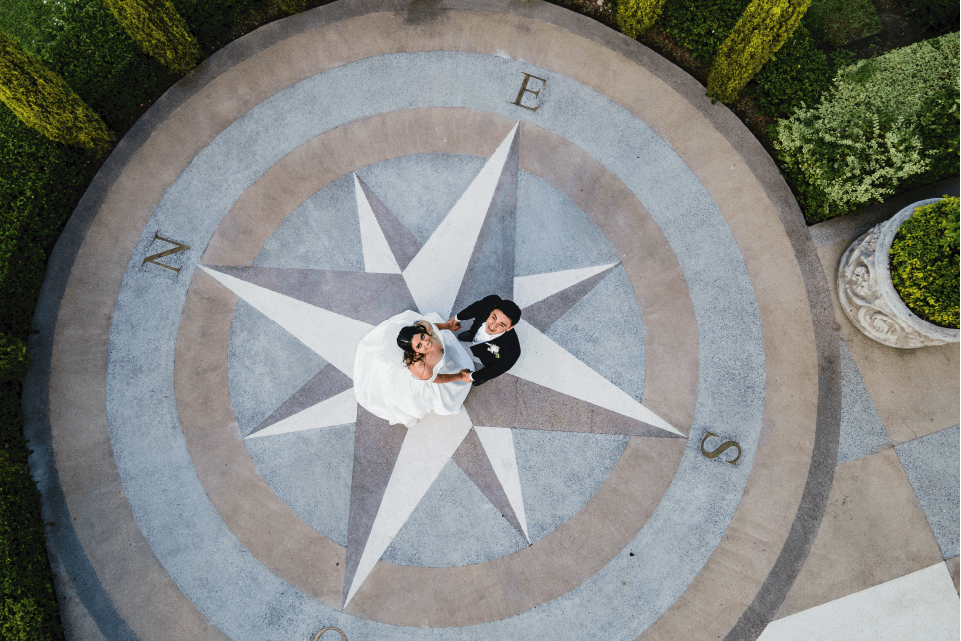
[{"x": 494, "y": 349}]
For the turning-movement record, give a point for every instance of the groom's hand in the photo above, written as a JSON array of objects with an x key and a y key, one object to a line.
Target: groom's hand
[{"x": 453, "y": 324}]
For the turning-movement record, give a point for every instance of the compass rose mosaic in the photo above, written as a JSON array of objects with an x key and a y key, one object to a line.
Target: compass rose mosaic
[
  {"x": 642, "y": 464},
  {"x": 295, "y": 300}
]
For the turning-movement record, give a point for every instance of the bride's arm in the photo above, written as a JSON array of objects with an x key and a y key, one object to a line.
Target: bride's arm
[
  {"x": 453, "y": 324},
  {"x": 463, "y": 375},
  {"x": 421, "y": 372}
]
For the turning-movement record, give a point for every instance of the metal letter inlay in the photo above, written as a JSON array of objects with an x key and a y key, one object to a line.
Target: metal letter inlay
[
  {"x": 329, "y": 629},
  {"x": 726, "y": 445},
  {"x": 155, "y": 258},
  {"x": 525, "y": 90}
]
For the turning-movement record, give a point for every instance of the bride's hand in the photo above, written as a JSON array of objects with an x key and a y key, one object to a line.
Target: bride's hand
[{"x": 453, "y": 324}]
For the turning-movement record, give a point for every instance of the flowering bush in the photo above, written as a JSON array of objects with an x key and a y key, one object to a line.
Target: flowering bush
[
  {"x": 874, "y": 129},
  {"x": 924, "y": 262}
]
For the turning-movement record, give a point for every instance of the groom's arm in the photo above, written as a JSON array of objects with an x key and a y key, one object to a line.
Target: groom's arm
[{"x": 500, "y": 365}]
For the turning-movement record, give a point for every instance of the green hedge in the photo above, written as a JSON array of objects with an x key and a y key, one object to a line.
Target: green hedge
[
  {"x": 701, "y": 26},
  {"x": 159, "y": 30},
  {"x": 798, "y": 73},
  {"x": 210, "y": 21},
  {"x": 40, "y": 184},
  {"x": 924, "y": 262},
  {"x": 760, "y": 32},
  {"x": 888, "y": 124},
  {"x": 98, "y": 59},
  {"x": 41, "y": 99},
  {"x": 28, "y": 605},
  {"x": 14, "y": 359}
]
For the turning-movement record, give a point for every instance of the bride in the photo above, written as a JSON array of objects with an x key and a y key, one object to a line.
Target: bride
[{"x": 410, "y": 365}]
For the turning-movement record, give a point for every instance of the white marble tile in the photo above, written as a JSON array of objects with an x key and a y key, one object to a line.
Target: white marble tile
[
  {"x": 378, "y": 257},
  {"x": 452, "y": 243},
  {"x": 332, "y": 336},
  {"x": 498, "y": 443},
  {"x": 530, "y": 289},
  {"x": 337, "y": 410},
  {"x": 920, "y": 606},
  {"x": 546, "y": 363},
  {"x": 426, "y": 449}
]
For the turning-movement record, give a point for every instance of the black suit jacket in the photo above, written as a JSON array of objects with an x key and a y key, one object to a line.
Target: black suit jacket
[{"x": 509, "y": 346}]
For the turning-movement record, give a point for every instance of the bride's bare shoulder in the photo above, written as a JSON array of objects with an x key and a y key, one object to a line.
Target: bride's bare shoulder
[{"x": 420, "y": 370}]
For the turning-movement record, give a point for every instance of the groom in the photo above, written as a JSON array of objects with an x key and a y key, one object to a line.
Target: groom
[{"x": 491, "y": 336}]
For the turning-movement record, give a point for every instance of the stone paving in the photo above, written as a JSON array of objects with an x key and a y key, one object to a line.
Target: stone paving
[{"x": 688, "y": 447}]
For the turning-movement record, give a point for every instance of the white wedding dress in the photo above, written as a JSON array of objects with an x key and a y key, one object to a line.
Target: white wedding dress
[{"x": 386, "y": 388}]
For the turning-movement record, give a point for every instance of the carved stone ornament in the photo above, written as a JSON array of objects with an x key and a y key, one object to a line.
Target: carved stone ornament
[{"x": 868, "y": 296}]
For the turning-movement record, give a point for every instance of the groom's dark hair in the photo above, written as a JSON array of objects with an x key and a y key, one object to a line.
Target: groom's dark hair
[{"x": 510, "y": 309}]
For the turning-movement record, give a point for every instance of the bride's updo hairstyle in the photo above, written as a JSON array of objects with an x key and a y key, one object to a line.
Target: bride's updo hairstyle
[{"x": 405, "y": 339}]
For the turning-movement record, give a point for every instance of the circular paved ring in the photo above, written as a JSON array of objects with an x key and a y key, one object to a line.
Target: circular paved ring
[{"x": 131, "y": 412}]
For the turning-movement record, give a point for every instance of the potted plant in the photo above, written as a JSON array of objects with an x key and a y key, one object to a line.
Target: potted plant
[{"x": 916, "y": 304}]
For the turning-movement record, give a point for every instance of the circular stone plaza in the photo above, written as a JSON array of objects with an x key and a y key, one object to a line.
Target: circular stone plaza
[{"x": 695, "y": 443}]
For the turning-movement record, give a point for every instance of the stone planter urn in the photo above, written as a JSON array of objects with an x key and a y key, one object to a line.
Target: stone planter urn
[{"x": 868, "y": 296}]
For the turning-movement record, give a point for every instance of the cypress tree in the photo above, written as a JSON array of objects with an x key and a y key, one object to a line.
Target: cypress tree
[
  {"x": 763, "y": 27},
  {"x": 42, "y": 100},
  {"x": 634, "y": 17},
  {"x": 159, "y": 30}
]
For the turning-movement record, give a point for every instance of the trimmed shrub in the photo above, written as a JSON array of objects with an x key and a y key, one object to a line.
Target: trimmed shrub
[
  {"x": 864, "y": 140},
  {"x": 157, "y": 27},
  {"x": 924, "y": 262},
  {"x": 42, "y": 100},
  {"x": 634, "y": 17},
  {"x": 763, "y": 28}
]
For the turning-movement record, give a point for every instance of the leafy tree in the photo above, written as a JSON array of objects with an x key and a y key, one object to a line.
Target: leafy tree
[
  {"x": 156, "y": 26},
  {"x": 42, "y": 100},
  {"x": 764, "y": 26}
]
